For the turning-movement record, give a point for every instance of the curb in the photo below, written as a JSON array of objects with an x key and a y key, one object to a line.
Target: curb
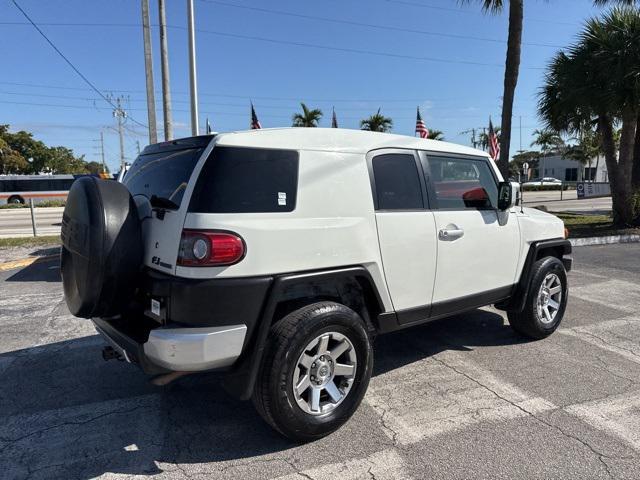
[
  {"x": 606, "y": 240},
  {"x": 25, "y": 262}
]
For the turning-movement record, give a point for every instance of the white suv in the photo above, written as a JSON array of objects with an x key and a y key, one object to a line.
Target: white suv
[{"x": 277, "y": 255}]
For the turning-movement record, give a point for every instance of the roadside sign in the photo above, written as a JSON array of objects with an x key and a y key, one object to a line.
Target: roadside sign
[{"x": 593, "y": 189}]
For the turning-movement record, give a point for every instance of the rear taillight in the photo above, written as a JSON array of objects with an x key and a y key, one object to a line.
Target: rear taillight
[{"x": 208, "y": 249}]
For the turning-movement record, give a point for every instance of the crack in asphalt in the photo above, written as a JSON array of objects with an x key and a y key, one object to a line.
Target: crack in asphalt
[
  {"x": 12, "y": 441},
  {"x": 606, "y": 342},
  {"x": 601, "y": 456}
]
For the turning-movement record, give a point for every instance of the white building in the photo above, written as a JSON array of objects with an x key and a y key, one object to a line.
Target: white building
[{"x": 571, "y": 170}]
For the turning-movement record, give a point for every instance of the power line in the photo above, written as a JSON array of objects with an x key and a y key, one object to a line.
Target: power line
[
  {"x": 303, "y": 16},
  {"x": 246, "y": 96},
  {"x": 336, "y": 49},
  {"x": 212, "y": 112},
  {"x": 75, "y": 69},
  {"x": 206, "y": 103},
  {"x": 457, "y": 10},
  {"x": 371, "y": 25}
]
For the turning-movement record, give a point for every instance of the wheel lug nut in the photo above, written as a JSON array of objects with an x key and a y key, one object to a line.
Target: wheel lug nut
[{"x": 313, "y": 364}]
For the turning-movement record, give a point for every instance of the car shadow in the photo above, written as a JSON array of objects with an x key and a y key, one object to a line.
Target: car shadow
[{"x": 56, "y": 394}]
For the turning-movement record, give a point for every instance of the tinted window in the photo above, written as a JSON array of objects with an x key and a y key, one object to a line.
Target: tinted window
[
  {"x": 247, "y": 180},
  {"x": 164, "y": 174},
  {"x": 462, "y": 183},
  {"x": 397, "y": 182}
]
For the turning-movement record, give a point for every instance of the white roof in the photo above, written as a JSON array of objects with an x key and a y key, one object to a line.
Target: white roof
[{"x": 336, "y": 140}]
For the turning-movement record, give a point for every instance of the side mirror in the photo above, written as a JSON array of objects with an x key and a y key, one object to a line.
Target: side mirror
[{"x": 508, "y": 193}]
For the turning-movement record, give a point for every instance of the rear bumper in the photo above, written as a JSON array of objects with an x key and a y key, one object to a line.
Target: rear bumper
[{"x": 175, "y": 349}]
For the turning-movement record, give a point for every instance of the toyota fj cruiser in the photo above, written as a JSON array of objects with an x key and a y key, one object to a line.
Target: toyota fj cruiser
[{"x": 277, "y": 255}]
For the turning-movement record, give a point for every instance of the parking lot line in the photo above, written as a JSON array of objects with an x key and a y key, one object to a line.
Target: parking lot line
[
  {"x": 610, "y": 336},
  {"x": 617, "y": 415},
  {"x": 448, "y": 393},
  {"x": 386, "y": 464},
  {"x": 623, "y": 295}
]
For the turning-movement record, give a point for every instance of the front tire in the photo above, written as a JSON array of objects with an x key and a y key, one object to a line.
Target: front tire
[
  {"x": 315, "y": 371},
  {"x": 546, "y": 300}
]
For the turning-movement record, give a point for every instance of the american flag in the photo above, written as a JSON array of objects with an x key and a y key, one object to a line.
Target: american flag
[
  {"x": 255, "y": 123},
  {"x": 494, "y": 143},
  {"x": 334, "y": 120},
  {"x": 421, "y": 128}
]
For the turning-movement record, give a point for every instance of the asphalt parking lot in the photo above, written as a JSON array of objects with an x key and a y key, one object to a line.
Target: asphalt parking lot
[{"x": 458, "y": 398}]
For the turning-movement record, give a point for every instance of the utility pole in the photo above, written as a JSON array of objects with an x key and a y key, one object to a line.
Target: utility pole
[
  {"x": 193, "y": 82},
  {"x": 138, "y": 146},
  {"x": 120, "y": 115},
  {"x": 520, "y": 133},
  {"x": 148, "y": 70},
  {"x": 164, "y": 59},
  {"x": 104, "y": 166}
]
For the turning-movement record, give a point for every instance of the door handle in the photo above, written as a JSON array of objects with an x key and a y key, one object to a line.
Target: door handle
[{"x": 450, "y": 232}]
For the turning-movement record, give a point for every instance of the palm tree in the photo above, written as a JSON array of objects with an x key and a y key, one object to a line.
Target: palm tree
[
  {"x": 483, "y": 138},
  {"x": 512, "y": 68},
  {"x": 377, "y": 123},
  {"x": 548, "y": 140},
  {"x": 595, "y": 82},
  {"x": 435, "y": 135},
  {"x": 308, "y": 118}
]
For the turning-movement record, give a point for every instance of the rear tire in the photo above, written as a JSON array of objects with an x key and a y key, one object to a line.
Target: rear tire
[
  {"x": 546, "y": 300},
  {"x": 315, "y": 371},
  {"x": 16, "y": 200}
]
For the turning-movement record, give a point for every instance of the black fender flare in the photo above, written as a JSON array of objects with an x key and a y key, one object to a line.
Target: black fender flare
[
  {"x": 518, "y": 298},
  {"x": 239, "y": 382}
]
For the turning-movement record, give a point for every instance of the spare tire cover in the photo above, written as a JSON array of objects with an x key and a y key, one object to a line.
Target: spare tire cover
[{"x": 101, "y": 248}]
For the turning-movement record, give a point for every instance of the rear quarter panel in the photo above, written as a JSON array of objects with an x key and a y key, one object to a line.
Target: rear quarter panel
[{"x": 332, "y": 225}]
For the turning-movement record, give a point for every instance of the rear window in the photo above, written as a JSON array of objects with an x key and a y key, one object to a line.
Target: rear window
[
  {"x": 247, "y": 180},
  {"x": 163, "y": 174}
]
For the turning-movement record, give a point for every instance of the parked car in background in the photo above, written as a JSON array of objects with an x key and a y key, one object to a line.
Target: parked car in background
[{"x": 536, "y": 182}]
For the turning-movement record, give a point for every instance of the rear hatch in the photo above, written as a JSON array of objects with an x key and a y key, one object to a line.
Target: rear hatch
[{"x": 158, "y": 180}]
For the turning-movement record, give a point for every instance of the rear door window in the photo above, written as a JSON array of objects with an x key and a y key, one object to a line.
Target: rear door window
[
  {"x": 397, "y": 182},
  {"x": 163, "y": 174},
  {"x": 247, "y": 180}
]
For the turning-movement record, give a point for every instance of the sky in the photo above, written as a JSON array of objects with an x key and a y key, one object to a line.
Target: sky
[{"x": 352, "y": 55}]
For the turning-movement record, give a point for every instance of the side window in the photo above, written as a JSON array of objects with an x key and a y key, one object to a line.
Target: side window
[
  {"x": 461, "y": 183},
  {"x": 397, "y": 182},
  {"x": 246, "y": 180}
]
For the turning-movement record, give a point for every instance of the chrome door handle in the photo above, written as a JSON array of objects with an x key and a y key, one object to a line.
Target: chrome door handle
[{"x": 450, "y": 233}]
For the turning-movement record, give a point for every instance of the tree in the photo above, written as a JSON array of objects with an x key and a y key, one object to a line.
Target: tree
[
  {"x": 596, "y": 82},
  {"x": 518, "y": 161},
  {"x": 548, "y": 140},
  {"x": 96, "y": 167},
  {"x": 585, "y": 150},
  {"x": 483, "y": 138},
  {"x": 435, "y": 135},
  {"x": 308, "y": 118},
  {"x": 10, "y": 160},
  {"x": 377, "y": 123},
  {"x": 512, "y": 68},
  {"x": 31, "y": 156}
]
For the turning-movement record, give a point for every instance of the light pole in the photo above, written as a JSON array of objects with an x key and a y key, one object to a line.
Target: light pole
[{"x": 193, "y": 82}]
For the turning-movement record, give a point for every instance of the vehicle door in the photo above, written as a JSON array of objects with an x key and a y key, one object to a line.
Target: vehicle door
[
  {"x": 406, "y": 231},
  {"x": 478, "y": 246}
]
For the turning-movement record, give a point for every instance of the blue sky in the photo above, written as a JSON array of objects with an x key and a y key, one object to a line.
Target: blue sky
[{"x": 456, "y": 81}]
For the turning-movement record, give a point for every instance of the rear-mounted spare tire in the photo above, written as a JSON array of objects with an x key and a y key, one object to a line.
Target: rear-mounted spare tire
[{"x": 101, "y": 248}]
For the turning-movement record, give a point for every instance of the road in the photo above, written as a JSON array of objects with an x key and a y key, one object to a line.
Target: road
[
  {"x": 17, "y": 222},
  {"x": 458, "y": 398},
  {"x": 569, "y": 202}
]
